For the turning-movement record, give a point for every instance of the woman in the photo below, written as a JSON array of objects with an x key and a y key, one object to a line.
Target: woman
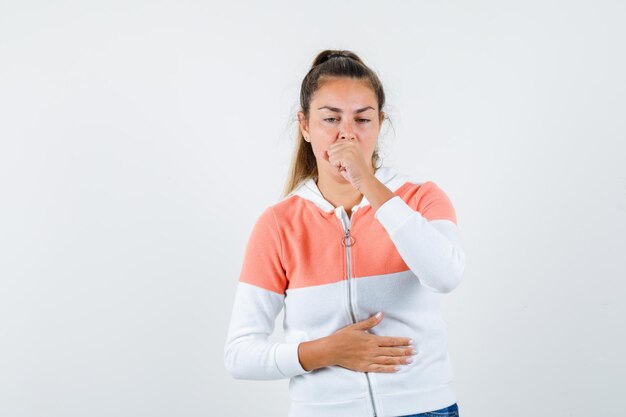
[{"x": 349, "y": 239}]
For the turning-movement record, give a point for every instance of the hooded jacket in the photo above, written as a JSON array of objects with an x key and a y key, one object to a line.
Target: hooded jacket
[{"x": 328, "y": 270}]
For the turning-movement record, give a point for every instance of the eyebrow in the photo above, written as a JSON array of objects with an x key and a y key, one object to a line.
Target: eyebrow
[{"x": 338, "y": 110}]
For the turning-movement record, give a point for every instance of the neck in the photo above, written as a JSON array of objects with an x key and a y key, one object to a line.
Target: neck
[{"x": 338, "y": 191}]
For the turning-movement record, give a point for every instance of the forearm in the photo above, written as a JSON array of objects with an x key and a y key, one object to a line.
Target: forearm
[
  {"x": 248, "y": 352},
  {"x": 376, "y": 192},
  {"x": 317, "y": 353},
  {"x": 431, "y": 249}
]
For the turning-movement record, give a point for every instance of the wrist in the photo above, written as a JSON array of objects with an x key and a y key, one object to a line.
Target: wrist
[
  {"x": 316, "y": 353},
  {"x": 376, "y": 192},
  {"x": 327, "y": 347},
  {"x": 368, "y": 183}
]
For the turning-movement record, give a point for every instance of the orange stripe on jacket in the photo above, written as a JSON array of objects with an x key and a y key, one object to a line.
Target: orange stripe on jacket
[{"x": 295, "y": 244}]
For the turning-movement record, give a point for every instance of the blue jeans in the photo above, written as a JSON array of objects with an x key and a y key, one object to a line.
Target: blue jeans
[{"x": 449, "y": 411}]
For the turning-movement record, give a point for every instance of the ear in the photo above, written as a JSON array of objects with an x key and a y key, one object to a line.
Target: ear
[
  {"x": 304, "y": 126},
  {"x": 382, "y": 119}
]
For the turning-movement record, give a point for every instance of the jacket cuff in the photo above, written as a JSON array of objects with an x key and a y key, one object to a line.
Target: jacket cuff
[
  {"x": 287, "y": 359},
  {"x": 393, "y": 213}
]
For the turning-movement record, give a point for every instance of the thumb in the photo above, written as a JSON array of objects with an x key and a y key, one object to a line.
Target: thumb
[{"x": 371, "y": 321}]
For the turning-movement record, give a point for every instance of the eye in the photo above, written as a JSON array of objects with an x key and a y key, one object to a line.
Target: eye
[{"x": 334, "y": 118}]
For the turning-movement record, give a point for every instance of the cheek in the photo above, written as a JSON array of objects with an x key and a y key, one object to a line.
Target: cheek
[
  {"x": 369, "y": 145},
  {"x": 325, "y": 129},
  {"x": 320, "y": 148}
]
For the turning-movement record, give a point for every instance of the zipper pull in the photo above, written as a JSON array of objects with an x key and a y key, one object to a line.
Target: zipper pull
[{"x": 347, "y": 240}]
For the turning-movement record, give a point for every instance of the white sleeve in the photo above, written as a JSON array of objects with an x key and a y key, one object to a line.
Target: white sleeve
[
  {"x": 431, "y": 249},
  {"x": 259, "y": 298},
  {"x": 248, "y": 354}
]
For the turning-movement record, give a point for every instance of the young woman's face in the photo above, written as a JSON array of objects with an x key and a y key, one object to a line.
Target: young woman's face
[{"x": 341, "y": 107}]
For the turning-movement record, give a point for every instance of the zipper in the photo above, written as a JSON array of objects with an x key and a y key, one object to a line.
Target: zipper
[{"x": 347, "y": 242}]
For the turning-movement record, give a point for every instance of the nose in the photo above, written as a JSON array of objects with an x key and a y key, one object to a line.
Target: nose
[{"x": 345, "y": 131}]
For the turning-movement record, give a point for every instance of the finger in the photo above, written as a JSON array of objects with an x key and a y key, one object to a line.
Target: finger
[
  {"x": 383, "y": 368},
  {"x": 394, "y": 341},
  {"x": 338, "y": 163},
  {"x": 393, "y": 360},
  {"x": 369, "y": 322},
  {"x": 393, "y": 351},
  {"x": 344, "y": 143}
]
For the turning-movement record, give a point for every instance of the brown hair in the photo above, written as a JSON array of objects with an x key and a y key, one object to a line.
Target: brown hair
[{"x": 343, "y": 64}]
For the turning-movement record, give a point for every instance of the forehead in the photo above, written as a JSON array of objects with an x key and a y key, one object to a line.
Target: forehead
[{"x": 345, "y": 93}]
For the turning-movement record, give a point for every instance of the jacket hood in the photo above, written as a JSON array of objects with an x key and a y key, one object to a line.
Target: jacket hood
[{"x": 308, "y": 189}]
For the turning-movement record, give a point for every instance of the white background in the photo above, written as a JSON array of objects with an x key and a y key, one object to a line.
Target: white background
[{"x": 139, "y": 141}]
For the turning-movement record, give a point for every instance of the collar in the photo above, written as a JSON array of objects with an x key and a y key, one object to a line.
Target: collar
[{"x": 308, "y": 189}]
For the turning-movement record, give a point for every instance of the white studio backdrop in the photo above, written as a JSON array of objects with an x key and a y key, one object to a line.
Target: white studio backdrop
[{"x": 139, "y": 141}]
